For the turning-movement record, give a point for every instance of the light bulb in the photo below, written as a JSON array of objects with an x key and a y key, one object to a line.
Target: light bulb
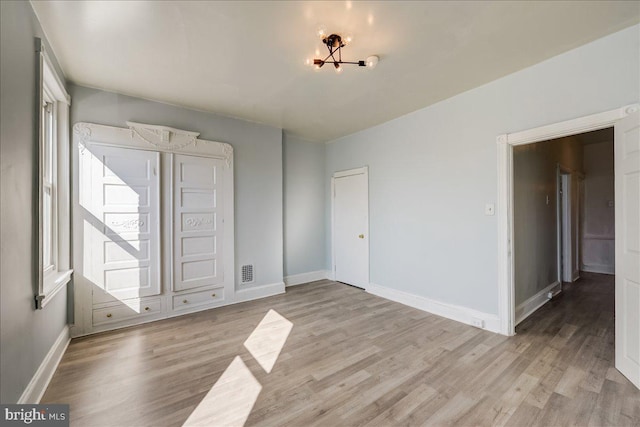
[
  {"x": 338, "y": 69},
  {"x": 308, "y": 61},
  {"x": 322, "y": 31},
  {"x": 348, "y": 39},
  {"x": 372, "y": 61}
]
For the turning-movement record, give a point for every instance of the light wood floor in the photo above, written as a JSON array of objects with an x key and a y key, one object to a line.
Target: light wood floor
[{"x": 354, "y": 359}]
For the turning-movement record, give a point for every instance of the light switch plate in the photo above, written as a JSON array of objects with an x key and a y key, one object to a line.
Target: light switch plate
[{"x": 489, "y": 209}]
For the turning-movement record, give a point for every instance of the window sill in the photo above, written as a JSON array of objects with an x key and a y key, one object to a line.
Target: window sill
[{"x": 53, "y": 283}]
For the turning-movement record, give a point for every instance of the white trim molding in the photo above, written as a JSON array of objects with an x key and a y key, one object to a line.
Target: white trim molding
[
  {"x": 257, "y": 292},
  {"x": 59, "y": 280},
  {"x": 575, "y": 275},
  {"x": 505, "y": 143},
  {"x": 302, "y": 278},
  {"x": 466, "y": 315},
  {"x": 53, "y": 102},
  {"x": 598, "y": 268},
  {"x": 151, "y": 137},
  {"x": 40, "y": 380},
  {"x": 528, "y": 307},
  {"x": 50, "y": 76}
]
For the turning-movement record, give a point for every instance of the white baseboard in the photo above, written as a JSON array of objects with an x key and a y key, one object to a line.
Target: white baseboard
[
  {"x": 575, "y": 276},
  {"x": 312, "y": 276},
  {"x": 40, "y": 381},
  {"x": 529, "y": 306},
  {"x": 598, "y": 268},
  {"x": 256, "y": 292},
  {"x": 466, "y": 315}
]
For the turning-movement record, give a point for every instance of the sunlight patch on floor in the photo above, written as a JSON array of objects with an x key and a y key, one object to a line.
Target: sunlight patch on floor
[
  {"x": 230, "y": 400},
  {"x": 266, "y": 341}
]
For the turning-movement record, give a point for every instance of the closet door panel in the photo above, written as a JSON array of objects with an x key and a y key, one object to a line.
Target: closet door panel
[
  {"x": 197, "y": 222},
  {"x": 122, "y": 249}
]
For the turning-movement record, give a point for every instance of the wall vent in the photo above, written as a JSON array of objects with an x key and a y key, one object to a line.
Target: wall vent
[{"x": 247, "y": 274}]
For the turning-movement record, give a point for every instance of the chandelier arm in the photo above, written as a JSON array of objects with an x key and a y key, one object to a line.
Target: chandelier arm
[
  {"x": 325, "y": 59},
  {"x": 331, "y": 52},
  {"x": 333, "y": 57},
  {"x": 334, "y": 45},
  {"x": 341, "y": 62}
]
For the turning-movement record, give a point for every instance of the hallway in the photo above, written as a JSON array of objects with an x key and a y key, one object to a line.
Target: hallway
[{"x": 578, "y": 329}]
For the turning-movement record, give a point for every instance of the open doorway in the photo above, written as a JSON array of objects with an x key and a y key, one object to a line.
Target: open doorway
[
  {"x": 626, "y": 142},
  {"x": 555, "y": 226},
  {"x": 545, "y": 213}
]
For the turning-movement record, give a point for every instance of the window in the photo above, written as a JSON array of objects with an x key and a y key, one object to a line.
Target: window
[
  {"x": 54, "y": 228},
  {"x": 48, "y": 189}
]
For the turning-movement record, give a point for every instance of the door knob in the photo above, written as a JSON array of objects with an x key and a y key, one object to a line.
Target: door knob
[{"x": 361, "y": 236}]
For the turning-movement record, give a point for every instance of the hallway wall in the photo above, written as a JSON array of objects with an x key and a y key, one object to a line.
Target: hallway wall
[{"x": 535, "y": 212}]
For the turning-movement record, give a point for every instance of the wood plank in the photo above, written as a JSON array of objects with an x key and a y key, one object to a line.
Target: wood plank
[{"x": 355, "y": 359}]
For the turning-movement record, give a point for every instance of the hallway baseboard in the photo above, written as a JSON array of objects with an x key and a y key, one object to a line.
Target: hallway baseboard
[
  {"x": 312, "y": 276},
  {"x": 598, "y": 268},
  {"x": 528, "y": 307}
]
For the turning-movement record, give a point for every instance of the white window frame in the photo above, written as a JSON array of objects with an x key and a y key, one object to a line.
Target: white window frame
[{"x": 53, "y": 178}]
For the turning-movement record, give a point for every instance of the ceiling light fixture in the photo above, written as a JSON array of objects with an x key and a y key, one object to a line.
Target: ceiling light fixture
[{"x": 335, "y": 43}]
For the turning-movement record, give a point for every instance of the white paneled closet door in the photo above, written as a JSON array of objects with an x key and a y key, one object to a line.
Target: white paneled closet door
[
  {"x": 198, "y": 222},
  {"x": 153, "y": 225},
  {"x": 120, "y": 190}
]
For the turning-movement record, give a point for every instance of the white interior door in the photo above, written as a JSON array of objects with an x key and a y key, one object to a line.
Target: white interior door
[
  {"x": 351, "y": 227},
  {"x": 627, "y": 267},
  {"x": 198, "y": 222},
  {"x": 119, "y": 191}
]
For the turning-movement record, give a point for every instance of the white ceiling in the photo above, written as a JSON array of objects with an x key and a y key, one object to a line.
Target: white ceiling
[{"x": 246, "y": 59}]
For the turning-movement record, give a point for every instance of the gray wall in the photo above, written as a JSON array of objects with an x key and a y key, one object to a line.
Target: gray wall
[
  {"x": 432, "y": 171},
  {"x": 535, "y": 222},
  {"x": 26, "y": 334},
  {"x": 257, "y": 167},
  {"x": 598, "y": 227},
  {"x": 304, "y": 213}
]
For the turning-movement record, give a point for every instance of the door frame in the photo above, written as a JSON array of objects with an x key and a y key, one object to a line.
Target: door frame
[
  {"x": 564, "y": 217},
  {"x": 364, "y": 170},
  {"x": 577, "y": 256},
  {"x": 506, "y": 143}
]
